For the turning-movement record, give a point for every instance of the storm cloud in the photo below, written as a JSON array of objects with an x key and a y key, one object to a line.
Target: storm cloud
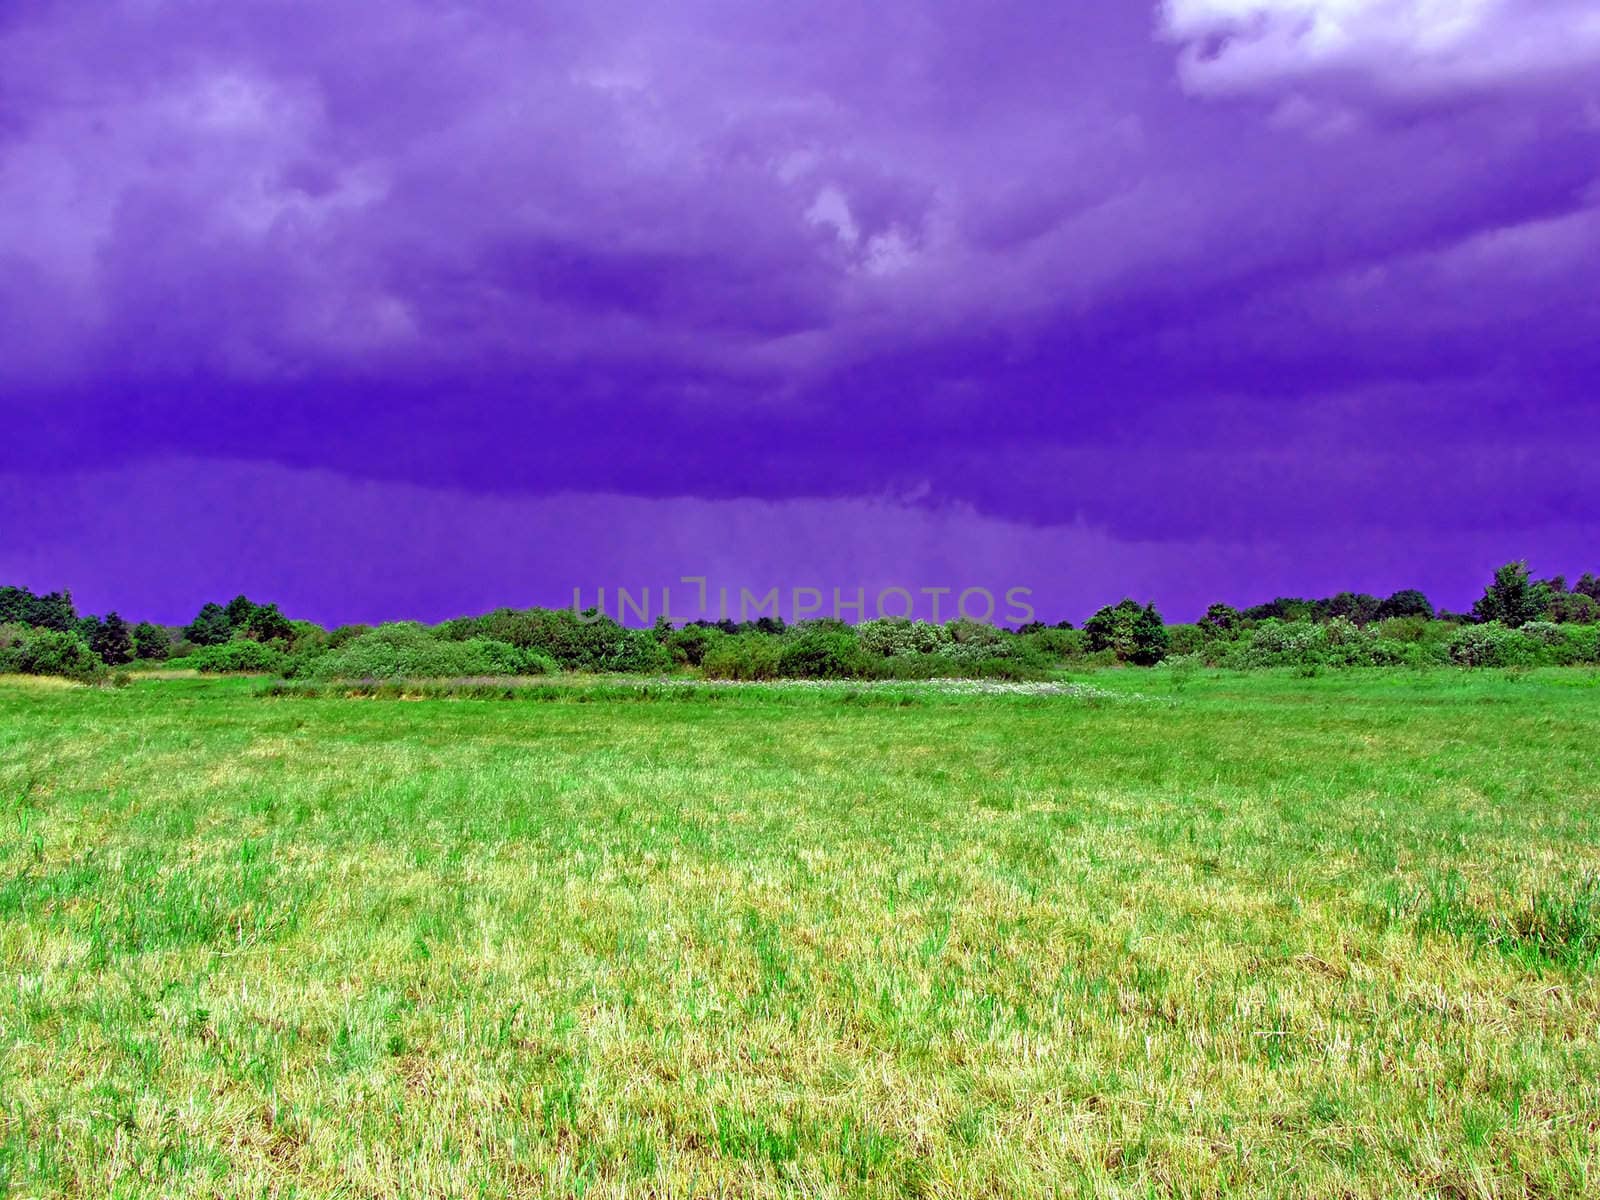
[{"x": 1208, "y": 272}]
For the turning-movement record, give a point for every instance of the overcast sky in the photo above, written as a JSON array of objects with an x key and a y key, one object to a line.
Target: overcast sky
[{"x": 412, "y": 309}]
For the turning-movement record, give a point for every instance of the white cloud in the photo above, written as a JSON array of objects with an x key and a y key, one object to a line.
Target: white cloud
[
  {"x": 1400, "y": 48},
  {"x": 831, "y": 209}
]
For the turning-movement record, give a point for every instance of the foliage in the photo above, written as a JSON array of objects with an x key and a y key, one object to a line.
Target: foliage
[
  {"x": 240, "y": 656},
  {"x": 820, "y": 652},
  {"x": 112, "y": 640},
  {"x": 1221, "y": 620},
  {"x": 688, "y": 646},
  {"x": 1493, "y": 645},
  {"x": 744, "y": 656},
  {"x": 242, "y": 617},
  {"x": 28, "y": 650},
  {"x": 1186, "y": 640},
  {"x": 407, "y": 650},
  {"x": 151, "y": 643},
  {"x": 591, "y": 642},
  {"x": 53, "y": 610},
  {"x": 1052, "y": 643},
  {"x": 1134, "y": 633},
  {"x": 1572, "y": 608},
  {"x": 1408, "y": 602},
  {"x": 210, "y": 626},
  {"x": 888, "y": 637},
  {"x": 1511, "y": 599}
]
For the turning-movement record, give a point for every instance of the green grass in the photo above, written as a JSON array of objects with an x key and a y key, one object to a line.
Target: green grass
[{"x": 1183, "y": 934}]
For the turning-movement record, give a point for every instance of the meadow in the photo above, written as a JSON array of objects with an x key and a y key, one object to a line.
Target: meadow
[{"x": 1189, "y": 933}]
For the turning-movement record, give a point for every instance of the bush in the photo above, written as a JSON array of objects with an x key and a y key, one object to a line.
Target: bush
[
  {"x": 408, "y": 651},
  {"x": 210, "y": 627},
  {"x": 1134, "y": 634},
  {"x": 1572, "y": 608},
  {"x": 1581, "y": 644},
  {"x": 1221, "y": 621},
  {"x": 638, "y": 652},
  {"x": 742, "y": 656},
  {"x": 822, "y": 653},
  {"x": 1275, "y": 643},
  {"x": 888, "y": 637},
  {"x": 589, "y": 643},
  {"x": 151, "y": 643},
  {"x": 1053, "y": 644},
  {"x": 1493, "y": 645},
  {"x": 241, "y": 657},
  {"x": 28, "y": 651},
  {"x": 689, "y": 645},
  {"x": 1413, "y": 629},
  {"x": 1187, "y": 640}
]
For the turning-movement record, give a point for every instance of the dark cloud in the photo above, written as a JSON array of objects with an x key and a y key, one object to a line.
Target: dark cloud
[{"x": 1215, "y": 269}]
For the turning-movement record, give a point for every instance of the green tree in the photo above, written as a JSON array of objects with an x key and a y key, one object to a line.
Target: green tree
[
  {"x": 1511, "y": 598},
  {"x": 210, "y": 626},
  {"x": 1354, "y": 606},
  {"x": 52, "y": 610},
  {"x": 1134, "y": 632},
  {"x": 112, "y": 640},
  {"x": 239, "y": 610},
  {"x": 1220, "y": 620},
  {"x": 1408, "y": 602},
  {"x": 265, "y": 623},
  {"x": 150, "y": 642}
]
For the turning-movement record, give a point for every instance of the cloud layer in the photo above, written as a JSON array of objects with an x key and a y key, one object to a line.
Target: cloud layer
[{"x": 1218, "y": 271}]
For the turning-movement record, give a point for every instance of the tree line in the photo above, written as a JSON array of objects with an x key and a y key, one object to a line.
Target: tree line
[{"x": 1518, "y": 619}]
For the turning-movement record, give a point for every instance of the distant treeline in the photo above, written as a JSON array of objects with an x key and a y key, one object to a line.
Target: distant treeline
[{"x": 1518, "y": 620}]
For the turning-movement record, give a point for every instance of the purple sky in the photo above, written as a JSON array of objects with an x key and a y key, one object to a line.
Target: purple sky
[{"x": 420, "y": 308}]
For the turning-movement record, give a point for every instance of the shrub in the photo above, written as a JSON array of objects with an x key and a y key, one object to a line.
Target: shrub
[
  {"x": 1546, "y": 633},
  {"x": 1572, "y": 608},
  {"x": 1053, "y": 644},
  {"x": 151, "y": 642},
  {"x": 589, "y": 643},
  {"x": 1275, "y": 643},
  {"x": 638, "y": 652},
  {"x": 239, "y": 657},
  {"x": 1134, "y": 634},
  {"x": 1493, "y": 645},
  {"x": 408, "y": 651},
  {"x": 49, "y": 652},
  {"x": 1185, "y": 640},
  {"x": 1357, "y": 607},
  {"x": 53, "y": 610},
  {"x": 1412, "y": 629},
  {"x": 823, "y": 653},
  {"x": 1582, "y": 644},
  {"x": 742, "y": 656},
  {"x": 689, "y": 645},
  {"x": 887, "y": 637},
  {"x": 1221, "y": 621}
]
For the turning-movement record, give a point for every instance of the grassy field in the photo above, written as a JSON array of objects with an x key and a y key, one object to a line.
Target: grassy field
[{"x": 1208, "y": 935}]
